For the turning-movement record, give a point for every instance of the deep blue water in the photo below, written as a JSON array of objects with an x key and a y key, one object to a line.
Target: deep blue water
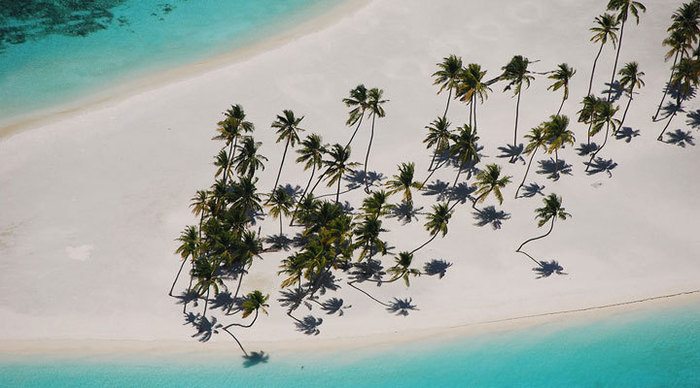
[
  {"x": 51, "y": 53},
  {"x": 657, "y": 348}
]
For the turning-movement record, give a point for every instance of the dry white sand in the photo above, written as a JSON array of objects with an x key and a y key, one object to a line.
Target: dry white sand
[{"x": 90, "y": 203}]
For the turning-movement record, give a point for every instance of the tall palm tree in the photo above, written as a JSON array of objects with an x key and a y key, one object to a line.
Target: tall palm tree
[
  {"x": 403, "y": 182},
  {"x": 551, "y": 210},
  {"x": 685, "y": 79},
  {"x": 605, "y": 28},
  {"x": 561, "y": 77},
  {"x": 464, "y": 149},
  {"x": 489, "y": 180},
  {"x": 358, "y": 101},
  {"x": 189, "y": 242},
  {"x": 447, "y": 77},
  {"x": 517, "y": 74},
  {"x": 230, "y": 129},
  {"x": 244, "y": 195},
  {"x": 375, "y": 104},
  {"x": 205, "y": 271},
  {"x": 280, "y": 203},
  {"x": 472, "y": 87},
  {"x": 604, "y": 116},
  {"x": 438, "y": 219},
  {"x": 311, "y": 154},
  {"x": 248, "y": 161},
  {"x": 288, "y": 130},
  {"x": 253, "y": 303},
  {"x": 679, "y": 43},
  {"x": 200, "y": 205},
  {"x": 558, "y": 135},
  {"x": 623, "y": 8},
  {"x": 438, "y": 137},
  {"x": 367, "y": 237},
  {"x": 630, "y": 78},
  {"x": 222, "y": 163},
  {"x": 338, "y": 165},
  {"x": 537, "y": 138},
  {"x": 376, "y": 204},
  {"x": 402, "y": 268}
]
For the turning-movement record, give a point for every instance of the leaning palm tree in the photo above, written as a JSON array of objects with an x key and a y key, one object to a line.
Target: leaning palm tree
[
  {"x": 358, "y": 103},
  {"x": 311, "y": 154},
  {"x": 537, "y": 138},
  {"x": 679, "y": 43},
  {"x": 438, "y": 137},
  {"x": 605, "y": 29},
  {"x": 464, "y": 149},
  {"x": 402, "y": 268},
  {"x": 205, "y": 272},
  {"x": 630, "y": 78},
  {"x": 189, "y": 242},
  {"x": 489, "y": 180},
  {"x": 336, "y": 167},
  {"x": 375, "y": 106},
  {"x": 437, "y": 223},
  {"x": 517, "y": 74},
  {"x": 280, "y": 203},
  {"x": 605, "y": 116},
  {"x": 248, "y": 161},
  {"x": 230, "y": 129},
  {"x": 200, "y": 207},
  {"x": 253, "y": 303},
  {"x": 551, "y": 210},
  {"x": 561, "y": 77},
  {"x": 403, "y": 182},
  {"x": 376, "y": 204},
  {"x": 472, "y": 87},
  {"x": 623, "y": 8},
  {"x": 447, "y": 77},
  {"x": 685, "y": 79},
  {"x": 288, "y": 130},
  {"x": 367, "y": 237}
]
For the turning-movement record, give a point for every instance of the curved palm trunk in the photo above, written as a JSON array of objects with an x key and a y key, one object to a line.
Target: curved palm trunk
[
  {"x": 206, "y": 302},
  {"x": 424, "y": 244},
  {"x": 303, "y": 194},
  {"x": 244, "y": 326},
  {"x": 177, "y": 277},
  {"x": 476, "y": 200},
  {"x": 617, "y": 57},
  {"x": 284, "y": 155},
  {"x": 351, "y": 284},
  {"x": 515, "y": 133},
  {"x": 359, "y": 122},
  {"x": 624, "y": 114},
  {"x": 369, "y": 147},
  {"x": 668, "y": 86},
  {"x": 595, "y": 62},
  {"x": 231, "y": 151},
  {"x": 449, "y": 97},
  {"x": 527, "y": 170},
  {"x": 519, "y": 250},
  {"x": 238, "y": 288},
  {"x": 605, "y": 141},
  {"x": 459, "y": 172},
  {"x": 561, "y": 106}
]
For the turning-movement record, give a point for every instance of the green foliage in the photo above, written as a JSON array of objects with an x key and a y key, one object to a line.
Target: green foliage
[
  {"x": 489, "y": 180},
  {"x": 552, "y": 209}
]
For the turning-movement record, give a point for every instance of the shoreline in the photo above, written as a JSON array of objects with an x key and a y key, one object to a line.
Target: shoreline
[
  {"x": 316, "y": 19},
  {"x": 116, "y": 350}
]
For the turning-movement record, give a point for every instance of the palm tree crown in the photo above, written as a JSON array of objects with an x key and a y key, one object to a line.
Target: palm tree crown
[
  {"x": 448, "y": 74},
  {"x": 625, "y": 7},
  {"x": 287, "y": 126},
  {"x": 552, "y": 209},
  {"x": 489, "y": 180},
  {"x": 358, "y": 102},
  {"x": 254, "y": 302},
  {"x": 248, "y": 161},
  {"x": 517, "y": 73},
  {"x": 404, "y": 181},
  {"x": 606, "y": 27},
  {"x": 438, "y": 219},
  {"x": 311, "y": 151},
  {"x": 561, "y": 77},
  {"x": 631, "y": 77},
  {"x": 557, "y": 133}
]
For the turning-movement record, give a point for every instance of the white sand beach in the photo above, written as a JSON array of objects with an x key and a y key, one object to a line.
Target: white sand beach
[{"x": 91, "y": 201}]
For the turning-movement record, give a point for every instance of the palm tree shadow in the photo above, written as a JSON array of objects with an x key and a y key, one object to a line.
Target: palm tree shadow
[
  {"x": 401, "y": 306},
  {"x": 585, "y": 149},
  {"x": 278, "y": 242},
  {"x": 224, "y": 301},
  {"x": 334, "y": 305},
  {"x": 680, "y": 138},
  {"x": 615, "y": 89},
  {"x": 601, "y": 165},
  {"x": 205, "y": 328},
  {"x": 323, "y": 283},
  {"x": 293, "y": 298},
  {"x": 357, "y": 179},
  {"x": 546, "y": 269},
  {"x": 626, "y": 133},
  {"x": 553, "y": 170},
  {"x": 693, "y": 119},
  {"x": 293, "y": 191},
  {"x": 532, "y": 189},
  {"x": 677, "y": 93},
  {"x": 436, "y": 267},
  {"x": 255, "y": 358},
  {"x": 439, "y": 188},
  {"x": 405, "y": 212},
  {"x": 489, "y": 215},
  {"x": 514, "y": 153},
  {"x": 187, "y": 297},
  {"x": 369, "y": 269},
  {"x": 461, "y": 192},
  {"x": 309, "y": 325}
]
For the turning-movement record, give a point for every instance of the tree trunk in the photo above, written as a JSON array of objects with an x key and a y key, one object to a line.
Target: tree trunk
[
  {"x": 617, "y": 57},
  {"x": 556, "y": 162},
  {"x": 561, "y": 106},
  {"x": 624, "y": 114},
  {"x": 475, "y": 124},
  {"x": 590, "y": 126},
  {"x": 449, "y": 97},
  {"x": 368, "y": 295},
  {"x": 280, "y": 224},
  {"x": 605, "y": 141},
  {"x": 237, "y": 341},
  {"x": 369, "y": 147},
  {"x": 515, "y": 133},
  {"x": 337, "y": 193},
  {"x": 238, "y": 288},
  {"x": 595, "y": 62},
  {"x": 459, "y": 172},
  {"x": 527, "y": 170},
  {"x": 668, "y": 86},
  {"x": 551, "y": 227},
  {"x": 477, "y": 199},
  {"x": 284, "y": 155},
  {"x": 244, "y": 326},
  {"x": 177, "y": 277},
  {"x": 303, "y": 194},
  {"x": 206, "y": 303},
  {"x": 661, "y": 135},
  {"x": 424, "y": 244},
  {"x": 359, "y": 122},
  {"x": 432, "y": 160},
  {"x": 231, "y": 151}
]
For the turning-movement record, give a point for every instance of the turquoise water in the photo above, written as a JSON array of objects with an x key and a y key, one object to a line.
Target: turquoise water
[
  {"x": 50, "y": 56},
  {"x": 660, "y": 348}
]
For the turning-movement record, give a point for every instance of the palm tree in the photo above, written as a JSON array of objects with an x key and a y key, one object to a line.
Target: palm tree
[
  {"x": 448, "y": 76},
  {"x": 244, "y": 195},
  {"x": 679, "y": 43},
  {"x": 685, "y": 79},
  {"x": 604, "y": 30},
  {"x": 464, "y": 149},
  {"x": 558, "y": 135},
  {"x": 230, "y": 130},
  {"x": 311, "y": 154},
  {"x": 374, "y": 105},
  {"x": 623, "y": 8},
  {"x": 358, "y": 102},
  {"x": 551, "y": 210},
  {"x": 402, "y": 268},
  {"x": 200, "y": 207},
  {"x": 248, "y": 161},
  {"x": 367, "y": 237},
  {"x": 437, "y": 223},
  {"x": 376, "y": 204},
  {"x": 403, "y": 182},
  {"x": 205, "y": 271},
  {"x": 517, "y": 73},
  {"x": 537, "y": 138},
  {"x": 253, "y": 303},
  {"x": 439, "y": 137},
  {"x": 223, "y": 164},
  {"x": 604, "y": 116},
  {"x": 280, "y": 203},
  {"x": 189, "y": 242},
  {"x": 630, "y": 78},
  {"x": 471, "y": 87},
  {"x": 489, "y": 181},
  {"x": 561, "y": 77},
  {"x": 336, "y": 167},
  {"x": 288, "y": 130}
]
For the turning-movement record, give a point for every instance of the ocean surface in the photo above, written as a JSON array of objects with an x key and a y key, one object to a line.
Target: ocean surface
[
  {"x": 650, "y": 348},
  {"x": 53, "y": 52}
]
